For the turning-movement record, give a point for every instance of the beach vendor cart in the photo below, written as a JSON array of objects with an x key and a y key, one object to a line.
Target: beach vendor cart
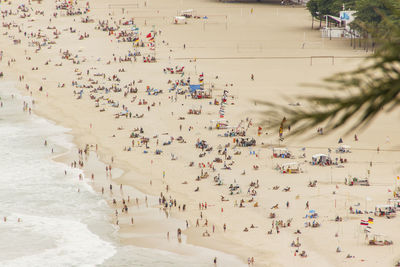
[
  {"x": 385, "y": 210},
  {"x": 291, "y": 168},
  {"x": 279, "y": 152}
]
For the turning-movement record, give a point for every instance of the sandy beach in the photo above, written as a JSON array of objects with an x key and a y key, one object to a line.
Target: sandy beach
[{"x": 118, "y": 76}]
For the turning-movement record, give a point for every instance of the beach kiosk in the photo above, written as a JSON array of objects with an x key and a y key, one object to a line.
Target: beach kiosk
[{"x": 280, "y": 152}]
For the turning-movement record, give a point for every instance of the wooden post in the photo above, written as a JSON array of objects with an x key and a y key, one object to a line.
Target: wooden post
[{"x": 351, "y": 39}]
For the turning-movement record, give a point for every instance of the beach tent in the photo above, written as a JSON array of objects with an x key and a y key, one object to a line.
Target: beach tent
[
  {"x": 280, "y": 152},
  {"x": 180, "y": 20},
  {"x": 320, "y": 159},
  {"x": 187, "y": 13},
  {"x": 385, "y": 210},
  {"x": 395, "y": 202},
  {"x": 195, "y": 87}
]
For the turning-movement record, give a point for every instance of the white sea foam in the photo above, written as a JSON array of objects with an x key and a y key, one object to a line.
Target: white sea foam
[
  {"x": 55, "y": 217},
  {"x": 72, "y": 243}
]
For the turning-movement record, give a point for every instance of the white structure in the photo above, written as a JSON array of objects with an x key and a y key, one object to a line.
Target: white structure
[{"x": 344, "y": 30}]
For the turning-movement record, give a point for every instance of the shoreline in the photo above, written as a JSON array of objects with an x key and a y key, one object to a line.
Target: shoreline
[{"x": 93, "y": 165}]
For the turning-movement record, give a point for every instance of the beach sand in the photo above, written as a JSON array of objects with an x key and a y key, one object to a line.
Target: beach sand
[{"x": 274, "y": 43}]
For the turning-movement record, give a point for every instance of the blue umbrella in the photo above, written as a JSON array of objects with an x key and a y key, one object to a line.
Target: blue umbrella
[{"x": 312, "y": 211}]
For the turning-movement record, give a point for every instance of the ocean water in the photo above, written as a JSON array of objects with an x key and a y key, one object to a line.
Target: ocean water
[
  {"x": 55, "y": 217},
  {"x": 60, "y": 226}
]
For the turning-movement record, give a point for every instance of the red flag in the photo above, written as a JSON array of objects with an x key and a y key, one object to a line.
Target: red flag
[{"x": 149, "y": 35}]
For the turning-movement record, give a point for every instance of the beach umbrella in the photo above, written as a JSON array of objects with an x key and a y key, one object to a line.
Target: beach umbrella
[{"x": 312, "y": 211}]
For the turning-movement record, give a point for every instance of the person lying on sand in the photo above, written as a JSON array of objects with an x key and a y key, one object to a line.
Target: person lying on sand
[
  {"x": 276, "y": 206},
  {"x": 206, "y": 234}
]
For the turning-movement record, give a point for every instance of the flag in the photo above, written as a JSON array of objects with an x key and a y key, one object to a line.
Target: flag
[
  {"x": 370, "y": 220},
  {"x": 149, "y": 35},
  {"x": 363, "y": 222}
]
